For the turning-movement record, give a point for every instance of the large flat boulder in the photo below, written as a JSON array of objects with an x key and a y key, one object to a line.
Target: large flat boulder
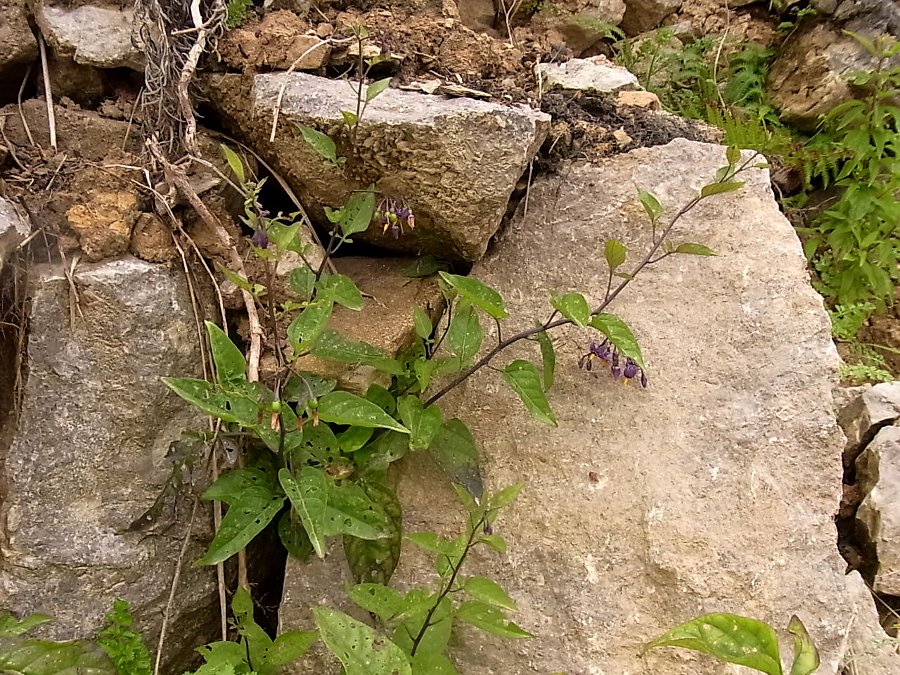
[
  {"x": 712, "y": 490},
  {"x": 92, "y": 450},
  {"x": 453, "y": 161}
]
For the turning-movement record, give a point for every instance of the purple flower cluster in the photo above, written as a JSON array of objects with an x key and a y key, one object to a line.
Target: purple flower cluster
[
  {"x": 621, "y": 367},
  {"x": 394, "y": 216}
]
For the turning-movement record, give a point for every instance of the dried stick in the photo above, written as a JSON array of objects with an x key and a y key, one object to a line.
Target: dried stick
[
  {"x": 48, "y": 93},
  {"x": 19, "y": 101}
]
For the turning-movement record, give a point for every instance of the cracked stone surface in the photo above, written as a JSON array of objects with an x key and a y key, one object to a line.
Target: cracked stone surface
[{"x": 92, "y": 451}]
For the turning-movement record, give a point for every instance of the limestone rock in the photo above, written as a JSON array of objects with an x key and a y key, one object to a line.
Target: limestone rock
[
  {"x": 455, "y": 162},
  {"x": 807, "y": 79},
  {"x": 874, "y": 408},
  {"x": 93, "y": 35},
  {"x": 17, "y": 47},
  {"x": 14, "y": 227},
  {"x": 713, "y": 489},
  {"x": 93, "y": 449},
  {"x": 643, "y": 15},
  {"x": 868, "y": 652},
  {"x": 279, "y": 41},
  {"x": 878, "y": 475},
  {"x": 639, "y": 99},
  {"x": 385, "y": 321},
  {"x": 595, "y": 75}
]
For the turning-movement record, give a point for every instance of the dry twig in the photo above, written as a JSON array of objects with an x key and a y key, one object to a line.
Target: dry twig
[{"x": 48, "y": 93}]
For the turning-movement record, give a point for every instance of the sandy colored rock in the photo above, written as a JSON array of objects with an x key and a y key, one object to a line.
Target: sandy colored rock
[
  {"x": 93, "y": 449},
  {"x": 869, "y": 651},
  {"x": 878, "y": 475},
  {"x": 104, "y": 222},
  {"x": 18, "y": 47},
  {"x": 454, "y": 162},
  {"x": 870, "y": 410},
  {"x": 712, "y": 490},
  {"x": 151, "y": 240},
  {"x": 639, "y": 99},
  {"x": 643, "y": 15},
  {"x": 92, "y": 35},
  {"x": 280, "y": 41},
  {"x": 580, "y": 23},
  {"x": 385, "y": 320}
]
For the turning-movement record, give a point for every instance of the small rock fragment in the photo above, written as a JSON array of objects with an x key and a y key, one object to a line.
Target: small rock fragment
[
  {"x": 14, "y": 227},
  {"x": 104, "y": 223},
  {"x": 151, "y": 239},
  {"x": 623, "y": 140},
  {"x": 861, "y": 419},
  {"x": 596, "y": 74},
  {"x": 93, "y": 36},
  {"x": 639, "y": 99}
]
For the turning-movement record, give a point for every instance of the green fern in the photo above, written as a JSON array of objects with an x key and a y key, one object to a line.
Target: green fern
[{"x": 122, "y": 644}]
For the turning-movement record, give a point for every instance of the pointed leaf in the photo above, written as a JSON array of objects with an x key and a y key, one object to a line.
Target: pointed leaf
[
  {"x": 351, "y": 511},
  {"x": 693, "y": 249},
  {"x": 302, "y": 281},
  {"x": 288, "y": 647},
  {"x": 245, "y": 518},
  {"x": 342, "y": 407},
  {"x": 231, "y": 486},
  {"x": 479, "y": 294},
  {"x": 489, "y": 592},
  {"x": 733, "y": 154},
  {"x": 350, "y": 118},
  {"x": 293, "y": 535},
  {"x": 309, "y": 497},
  {"x": 374, "y": 560},
  {"x": 651, "y": 204},
  {"x": 728, "y": 637},
  {"x": 574, "y": 307},
  {"x": 464, "y": 335},
  {"x": 620, "y": 335},
  {"x": 234, "y": 163},
  {"x": 321, "y": 143},
  {"x": 335, "y": 347},
  {"x": 615, "y": 252},
  {"x": 806, "y": 656},
  {"x": 453, "y": 449},
  {"x": 202, "y": 395},
  {"x": 548, "y": 357},
  {"x": 341, "y": 290},
  {"x": 231, "y": 365},
  {"x": 12, "y": 627},
  {"x": 523, "y": 377},
  {"x": 422, "y": 322},
  {"x": 489, "y": 619},
  {"x": 719, "y": 188},
  {"x": 376, "y": 88},
  {"x": 305, "y": 330},
  {"x": 378, "y": 599},
  {"x": 358, "y": 647},
  {"x": 356, "y": 216},
  {"x": 422, "y": 422}
]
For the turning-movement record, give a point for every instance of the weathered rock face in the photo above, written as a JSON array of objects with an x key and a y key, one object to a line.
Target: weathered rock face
[
  {"x": 878, "y": 475},
  {"x": 713, "y": 489},
  {"x": 581, "y": 23},
  {"x": 17, "y": 47},
  {"x": 455, "y": 162},
  {"x": 595, "y": 75},
  {"x": 14, "y": 227},
  {"x": 808, "y": 79},
  {"x": 643, "y": 15},
  {"x": 92, "y": 35},
  {"x": 868, "y": 653},
  {"x": 92, "y": 451},
  {"x": 867, "y": 413}
]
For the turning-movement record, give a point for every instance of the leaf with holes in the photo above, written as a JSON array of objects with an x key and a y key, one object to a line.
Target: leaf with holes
[
  {"x": 573, "y": 306},
  {"x": 245, "y": 518},
  {"x": 304, "y": 331},
  {"x": 309, "y": 497},
  {"x": 374, "y": 560},
  {"x": 335, "y": 347},
  {"x": 202, "y": 395},
  {"x": 619, "y": 335},
  {"x": 321, "y": 143},
  {"x": 357, "y": 646},
  {"x": 293, "y": 535},
  {"x": 352, "y": 512},
  {"x": 231, "y": 366},
  {"x": 356, "y": 216},
  {"x": 523, "y": 377},
  {"x": 231, "y": 486},
  {"x": 341, "y": 290},
  {"x": 454, "y": 450},
  {"x": 423, "y": 422},
  {"x": 728, "y": 637},
  {"x": 479, "y": 294},
  {"x": 342, "y": 407}
]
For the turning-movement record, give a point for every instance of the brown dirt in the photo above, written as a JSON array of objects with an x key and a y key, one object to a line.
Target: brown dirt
[{"x": 883, "y": 332}]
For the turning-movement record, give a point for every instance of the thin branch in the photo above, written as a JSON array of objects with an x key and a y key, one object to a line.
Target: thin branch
[{"x": 48, "y": 92}]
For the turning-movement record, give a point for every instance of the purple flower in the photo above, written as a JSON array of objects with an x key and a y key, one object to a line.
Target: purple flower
[
  {"x": 620, "y": 366},
  {"x": 260, "y": 238},
  {"x": 394, "y": 216},
  {"x": 488, "y": 529}
]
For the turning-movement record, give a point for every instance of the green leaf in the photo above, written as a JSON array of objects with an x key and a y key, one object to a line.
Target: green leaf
[
  {"x": 432, "y": 663},
  {"x": 302, "y": 281},
  {"x": 615, "y": 252},
  {"x": 453, "y": 449},
  {"x": 651, "y": 205},
  {"x": 12, "y": 627},
  {"x": 43, "y": 657},
  {"x": 523, "y": 377},
  {"x": 342, "y": 407},
  {"x": 356, "y": 216},
  {"x": 376, "y": 88},
  {"x": 378, "y": 599},
  {"x": 354, "y": 439},
  {"x": 234, "y": 163},
  {"x": 422, "y": 322},
  {"x": 693, "y": 249},
  {"x": 245, "y": 518},
  {"x": 495, "y": 541},
  {"x": 239, "y": 281},
  {"x": 489, "y": 592},
  {"x": 574, "y": 307},
  {"x": 123, "y": 645},
  {"x": 548, "y": 357},
  {"x": 304, "y": 387},
  {"x": 424, "y": 267},
  {"x": 728, "y": 637},
  {"x": 341, "y": 290},
  {"x": 506, "y": 496},
  {"x": 489, "y": 619},
  {"x": 423, "y": 423},
  {"x": 231, "y": 366},
  {"x": 482, "y": 296},
  {"x": 351, "y": 511},
  {"x": 202, "y": 395},
  {"x": 335, "y": 347},
  {"x": 293, "y": 535},
  {"x": 288, "y": 647},
  {"x": 464, "y": 334},
  {"x": 231, "y": 486},
  {"x": 321, "y": 143},
  {"x": 806, "y": 656},
  {"x": 358, "y": 647},
  {"x": 620, "y": 335},
  {"x": 350, "y": 118},
  {"x": 308, "y": 326},
  {"x": 375, "y": 560},
  {"x": 733, "y": 154},
  {"x": 719, "y": 188},
  {"x": 309, "y": 497}
]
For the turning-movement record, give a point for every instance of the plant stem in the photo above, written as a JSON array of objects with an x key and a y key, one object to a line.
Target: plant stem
[{"x": 426, "y": 624}]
